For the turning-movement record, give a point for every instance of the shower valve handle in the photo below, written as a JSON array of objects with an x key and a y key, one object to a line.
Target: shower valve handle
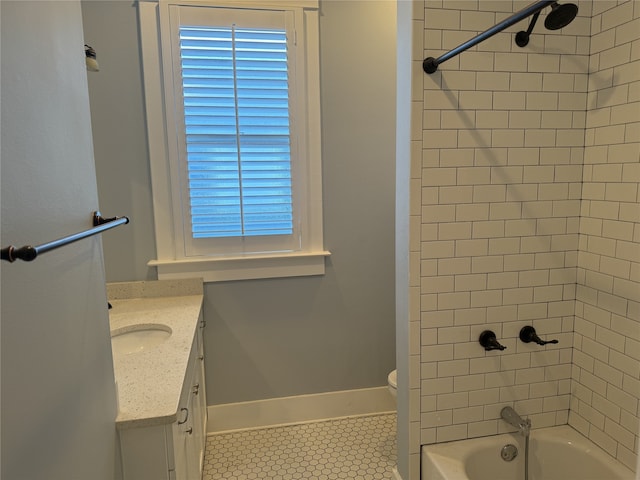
[
  {"x": 528, "y": 334},
  {"x": 489, "y": 342}
]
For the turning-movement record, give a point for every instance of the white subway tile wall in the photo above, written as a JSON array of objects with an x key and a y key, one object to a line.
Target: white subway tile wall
[
  {"x": 606, "y": 372},
  {"x": 423, "y": 196},
  {"x": 525, "y": 211}
]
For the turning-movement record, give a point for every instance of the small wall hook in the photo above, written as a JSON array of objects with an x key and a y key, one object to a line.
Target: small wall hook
[
  {"x": 489, "y": 341},
  {"x": 528, "y": 334}
]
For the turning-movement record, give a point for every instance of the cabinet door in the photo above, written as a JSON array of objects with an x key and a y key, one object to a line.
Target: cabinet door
[
  {"x": 190, "y": 430},
  {"x": 193, "y": 432},
  {"x": 180, "y": 445},
  {"x": 200, "y": 399},
  {"x": 192, "y": 440},
  {"x": 144, "y": 453}
]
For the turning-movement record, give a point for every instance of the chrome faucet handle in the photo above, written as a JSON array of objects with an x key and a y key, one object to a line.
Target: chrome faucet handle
[
  {"x": 489, "y": 341},
  {"x": 528, "y": 334}
]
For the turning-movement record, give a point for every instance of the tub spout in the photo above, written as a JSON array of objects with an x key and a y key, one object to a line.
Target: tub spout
[{"x": 509, "y": 415}]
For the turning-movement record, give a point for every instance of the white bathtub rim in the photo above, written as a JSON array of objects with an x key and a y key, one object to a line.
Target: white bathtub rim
[{"x": 444, "y": 461}]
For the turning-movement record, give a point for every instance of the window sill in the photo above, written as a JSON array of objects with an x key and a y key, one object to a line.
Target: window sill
[{"x": 222, "y": 269}]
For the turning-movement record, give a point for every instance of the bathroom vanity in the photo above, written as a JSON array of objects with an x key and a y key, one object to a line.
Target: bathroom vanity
[{"x": 158, "y": 356}]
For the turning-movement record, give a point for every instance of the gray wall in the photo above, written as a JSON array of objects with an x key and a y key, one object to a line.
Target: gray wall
[
  {"x": 276, "y": 337},
  {"x": 58, "y": 391}
]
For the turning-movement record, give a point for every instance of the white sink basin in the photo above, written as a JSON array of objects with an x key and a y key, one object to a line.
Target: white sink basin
[{"x": 138, "y": 338}]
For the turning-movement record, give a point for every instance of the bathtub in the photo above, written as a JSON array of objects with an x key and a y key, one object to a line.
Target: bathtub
[{"x": 555, "y": 453}]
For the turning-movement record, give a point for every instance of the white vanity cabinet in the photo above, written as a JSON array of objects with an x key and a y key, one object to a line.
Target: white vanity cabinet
[
  {"x": 172, "y": 451},
  {"x": 190, "y": 429}
]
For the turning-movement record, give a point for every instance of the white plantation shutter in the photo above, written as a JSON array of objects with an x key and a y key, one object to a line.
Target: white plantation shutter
[
  {"x": 233, "y": 122},
  {"x": 236, "y": 116}
]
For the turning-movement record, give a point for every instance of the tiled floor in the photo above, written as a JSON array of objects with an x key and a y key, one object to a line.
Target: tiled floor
[{"x": 362, "y": 448}]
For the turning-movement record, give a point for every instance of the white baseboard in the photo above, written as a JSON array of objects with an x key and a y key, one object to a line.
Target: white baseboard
[
  {"x": 395, "y": 474},
  {"x": 299, "y": 409}
]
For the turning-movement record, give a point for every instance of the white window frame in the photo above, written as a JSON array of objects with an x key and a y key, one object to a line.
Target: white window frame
[{"x": 172, "y": 261}]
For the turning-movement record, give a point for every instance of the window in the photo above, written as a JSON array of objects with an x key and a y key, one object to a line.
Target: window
[
  {"x": 232, "y": 99},
  {"x": 235, "y": 94}
]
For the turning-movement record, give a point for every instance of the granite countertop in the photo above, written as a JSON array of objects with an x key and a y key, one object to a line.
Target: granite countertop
[{"x": 149, "y": 383}]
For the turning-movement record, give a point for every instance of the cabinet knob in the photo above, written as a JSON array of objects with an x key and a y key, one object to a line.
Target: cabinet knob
[
  {"x": 196, "y": 388},
  {"x": 189, "y": 430}
]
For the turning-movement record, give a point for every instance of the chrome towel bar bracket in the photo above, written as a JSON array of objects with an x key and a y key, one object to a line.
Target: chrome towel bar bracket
[{"x": 29, "y": 253}]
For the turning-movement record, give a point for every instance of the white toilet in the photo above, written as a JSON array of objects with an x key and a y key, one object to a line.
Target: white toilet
[{"x": 392, "y": 382}]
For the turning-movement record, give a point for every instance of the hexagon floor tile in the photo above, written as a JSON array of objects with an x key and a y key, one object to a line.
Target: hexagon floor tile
[{"x": 362, "y": 448}]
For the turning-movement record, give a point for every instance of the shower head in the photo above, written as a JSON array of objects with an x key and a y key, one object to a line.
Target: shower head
[{"x": 560, "y": 15}]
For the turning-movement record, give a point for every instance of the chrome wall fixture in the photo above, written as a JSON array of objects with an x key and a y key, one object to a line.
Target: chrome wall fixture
[
  {"x": 559, "y": 17},
  {"x": 29, "y": 253}
]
